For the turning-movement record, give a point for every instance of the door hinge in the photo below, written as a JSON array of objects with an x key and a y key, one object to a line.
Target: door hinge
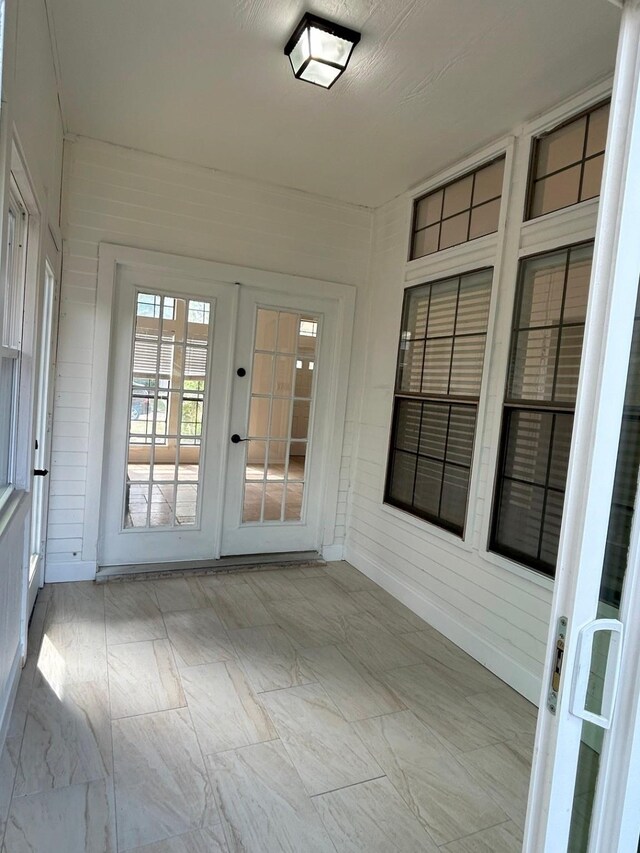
[{"x": 558, "y": 657}]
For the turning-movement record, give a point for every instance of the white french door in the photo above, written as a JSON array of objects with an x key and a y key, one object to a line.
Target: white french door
[
  {"x": 224, "y": 417},
  {"x": 167, "y": 424},
  {"x": 280, "y": 421},
  {"x": 585, "y": 791}
]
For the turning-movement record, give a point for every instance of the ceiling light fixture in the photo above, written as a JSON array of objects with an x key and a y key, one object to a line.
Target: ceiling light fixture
[{"x": 319, "y": 50}]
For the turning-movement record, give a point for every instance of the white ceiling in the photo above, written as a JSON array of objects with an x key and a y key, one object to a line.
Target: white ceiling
[{"x": 206, "y": 81}]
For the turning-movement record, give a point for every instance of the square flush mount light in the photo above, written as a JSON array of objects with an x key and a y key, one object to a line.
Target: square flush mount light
[{"x": 320, "y": 50}]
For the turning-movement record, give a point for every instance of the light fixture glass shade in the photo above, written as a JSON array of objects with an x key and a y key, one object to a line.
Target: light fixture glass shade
[
  {"x": 319, "y": 50},
  {"x": 300, "y": 52},
  {"x": 326, "y": 47},
  {"x": 320, "y": 74}
]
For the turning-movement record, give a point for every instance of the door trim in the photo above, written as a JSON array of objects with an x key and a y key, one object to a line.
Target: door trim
[{"x": 110, "y": 257}]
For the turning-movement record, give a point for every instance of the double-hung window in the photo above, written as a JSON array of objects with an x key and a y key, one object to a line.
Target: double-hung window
[
  {"x": 440, "y": 361},
  {"x": 11, "y": 305},
  {"x": 544, "y": 365},
  {"x": 546, "y": 350}
]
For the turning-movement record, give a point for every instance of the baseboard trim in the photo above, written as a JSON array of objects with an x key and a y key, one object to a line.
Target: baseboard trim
[
  {"x": 331, "y": 553},
  {"x": 78, "y": 570},
  {"x": 10, "y": 690},
  {"x": 511, "y": 672}
]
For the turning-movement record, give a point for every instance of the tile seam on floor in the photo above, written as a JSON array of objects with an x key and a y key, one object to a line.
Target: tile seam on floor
[
  {"x": 172, "y": 837},
  {"x": 350, "y": 785},
  {"x": 233, "y": 748},
  {"x": 478, "y": 831},
  {"x": 251, "y": 743},
  {"x": 455, "y": 752},
  {"x": 112, "y": 778},
  {"x": 205, "y": 763},
  {"x": 290, "y": 687},
  {"x": 486, "y": 789}
]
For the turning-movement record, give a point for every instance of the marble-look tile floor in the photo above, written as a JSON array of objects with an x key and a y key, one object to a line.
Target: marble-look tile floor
[{"x": 301, "y": 710}]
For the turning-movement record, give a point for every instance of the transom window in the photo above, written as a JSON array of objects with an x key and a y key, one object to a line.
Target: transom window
[
  {"x": 440, "y": 363},
  {"x": 546, "y": 350},
  {"x": 567, "y": 163},
  {"x": 463, "y": 210}
]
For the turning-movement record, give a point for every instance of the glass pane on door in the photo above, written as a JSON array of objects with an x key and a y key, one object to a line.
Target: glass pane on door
[
  {"x": 168, "y": 383},
  {"x": 614, "y": 570},
  {"x": 282, "y": 392}
]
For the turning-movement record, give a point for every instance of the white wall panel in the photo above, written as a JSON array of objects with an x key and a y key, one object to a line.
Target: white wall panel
[{"x": 115, "y": 195}]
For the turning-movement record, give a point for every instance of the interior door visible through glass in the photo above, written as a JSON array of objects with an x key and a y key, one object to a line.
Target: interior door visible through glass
[
  {"x": 281, "y": 408},
  {"x": 168, "y": 390}
]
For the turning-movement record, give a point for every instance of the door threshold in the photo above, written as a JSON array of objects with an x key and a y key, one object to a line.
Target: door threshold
[{"x": 224, "y": 565}]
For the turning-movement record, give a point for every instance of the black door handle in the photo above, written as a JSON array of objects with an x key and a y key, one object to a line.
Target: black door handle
[
  {"x": 40, "y": 472},
  {"x": 235, "y": 438}
]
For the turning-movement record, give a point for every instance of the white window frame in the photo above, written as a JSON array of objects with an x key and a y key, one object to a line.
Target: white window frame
[
  {"x": 521, "y": 239},
  {"x": 12, "y": 296},
  {"x": 480, "y": 253},
  {"x": 515, "y": 239},
  {"x": 526, "y": 237}
]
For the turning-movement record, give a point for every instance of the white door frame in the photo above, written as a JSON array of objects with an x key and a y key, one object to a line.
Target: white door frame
[
  {"x": 109, "y": 257},
  {"x": 43, "y": 405},
  {"x": 598, "y": 417}
]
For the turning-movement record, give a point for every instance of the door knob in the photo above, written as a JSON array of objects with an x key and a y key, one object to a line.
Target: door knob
[
  {"x": 235, "y": 438},
  {"x": 40, "y": 472}
]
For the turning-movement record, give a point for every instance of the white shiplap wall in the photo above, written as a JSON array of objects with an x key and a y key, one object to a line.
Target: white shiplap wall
[
  {"x": 116, "y": 195},
  {"x": 30, "y": 110}
]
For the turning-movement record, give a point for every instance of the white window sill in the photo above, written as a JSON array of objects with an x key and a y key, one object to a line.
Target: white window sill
[
  {"x": 524, "y": 572},
  {"x": 427, "y": 528}
]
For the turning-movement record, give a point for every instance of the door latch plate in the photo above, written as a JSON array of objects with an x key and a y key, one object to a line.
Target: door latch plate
[{"x": 556, "y": 674}]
